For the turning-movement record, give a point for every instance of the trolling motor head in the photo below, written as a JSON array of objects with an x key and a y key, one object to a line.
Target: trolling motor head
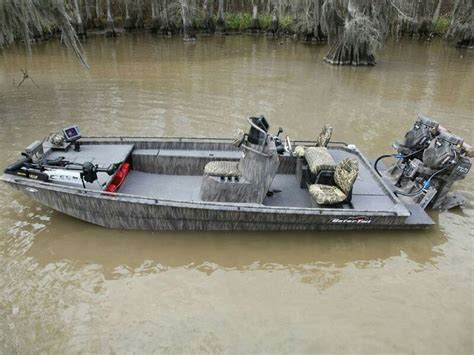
[{"x": 89, "y": 172}]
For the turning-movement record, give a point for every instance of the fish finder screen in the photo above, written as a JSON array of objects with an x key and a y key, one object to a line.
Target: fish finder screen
[{"x": 72, "y": 133}]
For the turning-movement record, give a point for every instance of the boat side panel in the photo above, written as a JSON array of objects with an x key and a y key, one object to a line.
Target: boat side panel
[
  {"x": 117, "y": 213},
  {"x": 192, "y": 162}
]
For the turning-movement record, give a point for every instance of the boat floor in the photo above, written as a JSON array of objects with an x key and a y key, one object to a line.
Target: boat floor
[
  {"x": 187, "y": 188},
  {"x": 368, "y": 194}
]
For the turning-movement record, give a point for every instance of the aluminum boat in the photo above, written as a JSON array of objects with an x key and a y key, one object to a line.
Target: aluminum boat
[{"x": 254, "y": 181}]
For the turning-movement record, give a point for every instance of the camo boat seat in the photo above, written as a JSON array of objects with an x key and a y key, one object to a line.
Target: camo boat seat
[
  {"x": 344, "y": 177},
  {"x": 319, "y": 159},
  {"x": 324, "y": 137},
  {"x": 222, "y": 168}
]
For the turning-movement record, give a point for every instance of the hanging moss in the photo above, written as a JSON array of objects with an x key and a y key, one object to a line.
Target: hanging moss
[
  {"x": 357, "y": 45},
  {"x": 461, "y": 29}
]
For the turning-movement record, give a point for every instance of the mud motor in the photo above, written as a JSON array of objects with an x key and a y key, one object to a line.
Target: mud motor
[{"x": 428, "y": 163}]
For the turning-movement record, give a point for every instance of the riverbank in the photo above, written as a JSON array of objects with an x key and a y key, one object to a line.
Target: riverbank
[{"x": 235, "y": 23}]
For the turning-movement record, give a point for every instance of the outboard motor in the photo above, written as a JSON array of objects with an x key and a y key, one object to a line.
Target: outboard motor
[
  {"x": 443, "y": 150},
  {"x": 419, "y": 137},
  {"x": 448, "y": 163},
  {"x": 430, "y": 161}
]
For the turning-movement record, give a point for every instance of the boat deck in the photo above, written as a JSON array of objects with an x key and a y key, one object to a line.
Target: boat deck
[
  {"x": 290, "y": 194},
  {"x": 368, "y": 193}
]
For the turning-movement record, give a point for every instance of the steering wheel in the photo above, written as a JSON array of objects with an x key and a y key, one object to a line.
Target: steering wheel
[{"x": 288, "y": 147}]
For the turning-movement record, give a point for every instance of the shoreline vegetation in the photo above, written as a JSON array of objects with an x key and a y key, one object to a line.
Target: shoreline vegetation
[{"x": 354, "y": 29}]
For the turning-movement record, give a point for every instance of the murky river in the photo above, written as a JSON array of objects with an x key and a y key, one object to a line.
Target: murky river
[{"x": 69, "y": 286}]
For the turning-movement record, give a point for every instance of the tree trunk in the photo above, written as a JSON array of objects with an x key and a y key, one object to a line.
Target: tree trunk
[
  {"x": 166, "y": 27},
  {"x": 79, "y": 25},
  {"x": 342, "y": 53},
  {"x": 460, "y": 30},
  {"x": 208, "y": 25},
  {"x": 255, "y": 26},
  {"x": 274, "y": 25},
  {"x": 88, "y": 19},
  {"x": 110, "y": 31},
  {"x": 356, "y": 38},
  {"x": 155, "y": 17},
  {"x": 437, "y": 11},
  {"x": 128, "y": 24},
  {"x": 220, "y": 22},
  {"x": 188, "y": 30},
  {"x": 139, "y": 23},
  {"x": 98, "y": 15}
]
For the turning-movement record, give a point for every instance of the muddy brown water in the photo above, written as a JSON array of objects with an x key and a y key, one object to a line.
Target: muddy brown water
[{"x": 69, "y": 286}]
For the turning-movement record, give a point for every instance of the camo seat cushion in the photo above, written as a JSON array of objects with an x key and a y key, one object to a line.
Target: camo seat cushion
[
  {"x": 319, "y": 159},
  {"x": 324, "y": 137},
  {"x": 222, "y": 168},
  {"x": 344, "y": 176},
  {"x": 326, "y": 194},
  {"x": 346, "y": 173}
]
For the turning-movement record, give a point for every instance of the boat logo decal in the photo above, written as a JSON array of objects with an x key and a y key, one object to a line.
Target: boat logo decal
[
  {"x": 31, "y": 189},
  {"x": 353, "y": 220}
]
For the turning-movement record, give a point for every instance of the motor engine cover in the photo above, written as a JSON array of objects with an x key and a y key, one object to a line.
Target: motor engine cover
[
  {"x": 420, "y": 135},
  {"x": 442, "y": 150}
]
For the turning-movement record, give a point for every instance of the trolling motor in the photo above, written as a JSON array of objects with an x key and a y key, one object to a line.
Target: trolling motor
[
  {"x": 58, "y": 170},
  {"x": 72, "y": 173},
  {"x": 429, "y": 162}
]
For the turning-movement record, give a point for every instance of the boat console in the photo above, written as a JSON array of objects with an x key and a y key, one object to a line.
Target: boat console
[{"x": 249, "y": 179}]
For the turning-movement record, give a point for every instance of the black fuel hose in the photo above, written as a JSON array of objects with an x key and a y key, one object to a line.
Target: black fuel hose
[{"x": 398, "y": 156}]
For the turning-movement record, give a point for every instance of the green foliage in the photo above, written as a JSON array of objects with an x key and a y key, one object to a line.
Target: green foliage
[
  {"x": 286, "y": 23},
  {"x": 442, "y": 24},
  {"x": 265, "y": 21},
  {"x": 118, "y": 21},
  {"x": 238, "y": 21}
]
